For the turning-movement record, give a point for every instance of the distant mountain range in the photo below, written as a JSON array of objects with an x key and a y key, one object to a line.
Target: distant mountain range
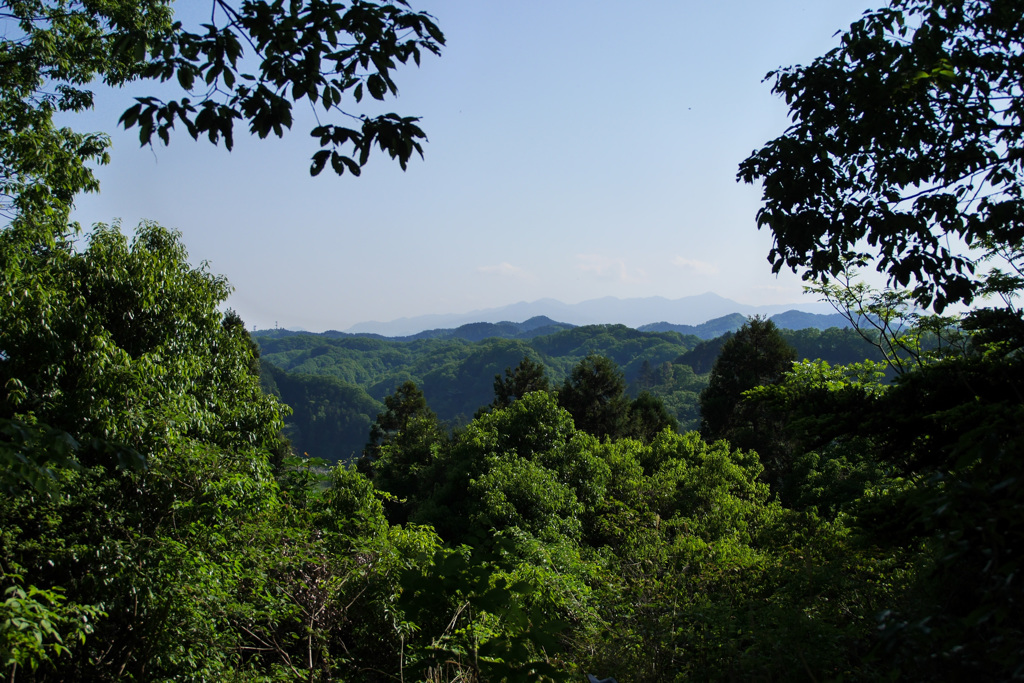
[
  {"x": 541, "y": 325},
  {"x": 788, "y": 320},
  {"x": 637, "y": 313}
]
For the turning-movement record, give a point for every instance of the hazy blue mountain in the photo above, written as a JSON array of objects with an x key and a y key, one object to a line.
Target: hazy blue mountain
[
  {"x": 801, "y": 320},
  {"x": 534, "y": 327},
  {"x": 691, "y": 310},
  {"x": 789, "y": 320},
  {"x": 708, "y": 330}
]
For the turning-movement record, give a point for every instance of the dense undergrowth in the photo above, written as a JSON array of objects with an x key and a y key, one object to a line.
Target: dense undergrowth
[{"x": 156, "y": 527}]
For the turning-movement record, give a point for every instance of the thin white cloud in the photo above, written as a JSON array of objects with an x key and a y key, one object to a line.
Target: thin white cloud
[
  {"x": 505, "y": 269},
  {"x": 699, "y": 267},
  {"x": 785, "y": 289},
  {"x": 610, "y": 269}
]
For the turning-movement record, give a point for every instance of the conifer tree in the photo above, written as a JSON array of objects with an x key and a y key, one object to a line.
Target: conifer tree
[
  {"x": 528, "y": 376},
  {"x": 757, "y": 354},
  {"x": 595, "y": 396}
]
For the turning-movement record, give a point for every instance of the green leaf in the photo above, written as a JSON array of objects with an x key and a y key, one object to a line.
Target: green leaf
[{"x": 319, "y": 161}]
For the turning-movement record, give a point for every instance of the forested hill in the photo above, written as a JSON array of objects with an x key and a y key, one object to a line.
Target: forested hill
[
  {"x": 536, "y": 326},
  {"x": 335, "y": 382},
  {"x": 824, "y": 524},
  {"x": 790, "y": 320},
  {"x": 542, "y": 325}
]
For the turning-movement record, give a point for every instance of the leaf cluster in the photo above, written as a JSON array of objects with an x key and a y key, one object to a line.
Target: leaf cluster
[
  {"x": 252, "y": 62},
  {"x": 905, "y": 142},
  {"x": 328, "y": 53}
]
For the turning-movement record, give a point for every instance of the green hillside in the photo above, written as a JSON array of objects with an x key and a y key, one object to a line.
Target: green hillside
[
  {"x": 331, "y": 419},
  {"x": 832, "y": 520}
]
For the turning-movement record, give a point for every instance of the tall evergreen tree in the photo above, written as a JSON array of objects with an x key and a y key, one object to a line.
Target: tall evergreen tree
[
  {"x": 648, "y": 416},
  {"x": 595, "y": 396},
  {"x": 757, "y": 354},
  {"x": 404, "y": 443},
  {"x": 528, "y": 376}
]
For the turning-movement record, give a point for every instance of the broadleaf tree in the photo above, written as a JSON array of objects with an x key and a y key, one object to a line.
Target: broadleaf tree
[
  {"x": 251, "y": 62},
  {"x": 906, "y": 147}
]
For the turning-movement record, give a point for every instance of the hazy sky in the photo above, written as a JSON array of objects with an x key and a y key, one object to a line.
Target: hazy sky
[{"x": 576, "y": 150}]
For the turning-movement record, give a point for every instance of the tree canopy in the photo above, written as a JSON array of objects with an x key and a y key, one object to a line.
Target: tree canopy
[
  {"x": 755, "y": 355},
  {"x": 251, "y": 62},
  {"x": 151, "y": 529},
  {"x": 906, "y": 146},
  {"x": 526, "y": 377},
  {"x": 595, "y": 395}
]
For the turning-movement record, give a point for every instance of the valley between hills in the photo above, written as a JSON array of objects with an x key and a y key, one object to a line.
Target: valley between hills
[{"x": 336, "y": 382}]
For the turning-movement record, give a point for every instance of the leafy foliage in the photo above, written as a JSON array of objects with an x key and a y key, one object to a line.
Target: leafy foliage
[
  {"x": 527, "y": 377},
  {"x": 905, "y": 137},
  {"x": 520, "y": 546},
  {"x": 49, "y": 51},
  {"x": 35, "y": 623},
  {"x": 453, "y": 374},
  {"x": 329, "y": 417},
  {"x": 329, "y": 53},
  {"x": 168, "y": 534},
  {"x": 121, "y": 347},
  {"x": 323, "y": 52},
  {"x": 756, "y": 355},
  {"x": 887, "y": 320},
  {"x": 493, "y": 633},
  {"x": 595, "y": 396}
]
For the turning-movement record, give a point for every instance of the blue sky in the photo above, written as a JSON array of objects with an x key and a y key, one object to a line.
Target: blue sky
[{"x": 577, "y": 150}]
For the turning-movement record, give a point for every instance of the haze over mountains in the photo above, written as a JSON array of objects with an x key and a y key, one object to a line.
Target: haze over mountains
[{"x": 638, "y": 312}]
